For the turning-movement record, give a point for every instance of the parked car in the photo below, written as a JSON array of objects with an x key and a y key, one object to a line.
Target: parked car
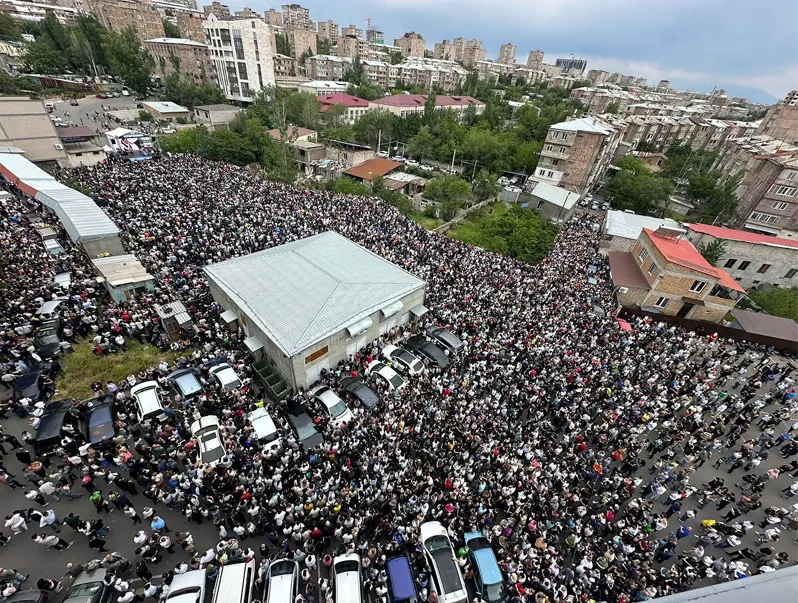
[
  {"x": 185, "y": 383},
  {"x": 424, "y": 347},
  {"x": 73, "y": 102},
  {"x": 225, "y": 376},
  {"x": 411, "y": 163},
  {"x": 426, "y": 168},
  {"x": 100, "y": 421},
  {"x": 382, "y": 370},
  {"x": 88, "y": 587},
  {"x": 101, "y": 95},
  {"x": 594, "y": 206},
  {"x": 440, "y": 555},
  {"x": 332, "y": 405},
  {"x": 188, "y": 587},
  {"x": 402, "y": 360},
  {"x": 446, "y": 338},
  {"x": 32, "y": 386},
  {"x": 47, "y": 340},
  {"x": 303, "y": 428},
  {"x": 265, "y": 429},
  {"x": 354, "y": 389},
  {"x": 149, "y": 406},
  {"x": 31, "y": 595},
  {"x": 398, "y": 158},
  {"x": 605, "y": 206},
  {"x": 488, "y": 580},
  {"x": 209, "y": 440},
  {"x": 383, "y": 154},
  {"x": 282, "y": 585},
  {"x": 55, "y": 422}
]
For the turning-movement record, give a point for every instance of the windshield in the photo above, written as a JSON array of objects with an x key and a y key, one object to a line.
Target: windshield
[
  {"x": 304, "y": 428},
  {"x": 337, "y": 409},
  {"x": 282, "y": 569},
  {"x": 183, "y": 591},
  {"x": 396, "y": 381},
  {"x": 89, "y": 589},
  {"x": 495, "y": 592},
  {"x": 346, "y": 566},
  {"x": 436, "y": 543}
]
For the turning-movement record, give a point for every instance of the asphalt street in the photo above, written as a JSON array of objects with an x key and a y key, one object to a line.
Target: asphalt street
[{"x": 89, "y": 105}]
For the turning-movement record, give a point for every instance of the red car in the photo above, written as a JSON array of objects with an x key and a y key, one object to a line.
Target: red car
[{"x": 101, "y": 95}]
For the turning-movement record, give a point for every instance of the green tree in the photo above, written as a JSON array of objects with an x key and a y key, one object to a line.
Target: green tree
[
  {"x": 42, "y": 57},
  {"x": 638, "y": 190},
  {"x": 722, "y": 202},
  {"x": 347, "y": 186},
  {"x": 713, "y": 251},
  {"x": 451, "y": 192},
  {"x": 778, "y": 302},
  {"x": 170, "y": 30},
  {"x": 701, "y": 185},
  {"x": 613, "y": 107},
  {"x": 430, "y": 110},
  {"x": 188, "y": 140},
  {"x": 369, "y": 126},
  {"x": 647, "y": 147},
  {"x": 355, "y": 74},
  {"x": 280, "y": 161},
  {"x": 228, "y": 146},
  {"x": 485, "y": 185},
  {"x": 422, "y": 144},
  {"x": 283, "y": 45},
  {"x": 9, "y": 28},
  {"x": 634, "y": 165},
  {"x": 323, "y": 46},
  {"x": 128, "y": 58}
]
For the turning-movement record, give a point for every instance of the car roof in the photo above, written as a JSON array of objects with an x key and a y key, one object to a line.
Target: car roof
[
  {"x": 187, "y": 380},
  {"x": 100, "y": 414},
  {"x": 402, "y": 583},
  {"x": 92, "y": 576},
  {"x": 432, "y": 528},
  {"x": 27, "y": 379},
  {"x": 224, "y": 373},
  {"x": 204, "y": 422}
]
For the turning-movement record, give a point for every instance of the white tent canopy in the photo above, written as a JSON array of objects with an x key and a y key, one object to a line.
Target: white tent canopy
[{"x": 82, "y": 218}]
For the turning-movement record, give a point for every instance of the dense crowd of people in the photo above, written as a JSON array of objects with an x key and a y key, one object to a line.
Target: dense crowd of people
[{"x": 574, "y": 445}]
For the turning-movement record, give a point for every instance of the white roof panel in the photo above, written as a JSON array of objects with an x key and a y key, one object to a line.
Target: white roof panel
[
  {"x": 629, "y": 226},
  {"x": 555, "y": 195},
  {"x": 585, "y": 124},
  {"x": 303, "y": 291}
]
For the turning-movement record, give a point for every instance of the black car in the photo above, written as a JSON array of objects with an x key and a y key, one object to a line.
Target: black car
[
  {"x": 100, "y": 420},
  {"x": 185, "y": 382},
  {"x": 360, "y": 393},
  {"x": 32, "y": 385},
  {"x": 47, "y": 339},
  {"x": 303, "y": 427},
  {"x": 424, "y": 347},
  {"x": 54, "y": 423},
  {"x": 446, "y": 338},
  {"x": 33, "y": 595}
]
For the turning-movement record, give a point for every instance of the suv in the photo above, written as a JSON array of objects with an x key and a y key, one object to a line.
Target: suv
[
  {"x": 402, "y": 360},
  {"x": 423, "y": 347},
  {"x": 47, "y": 340},
  {"x": 148, "y": 401},
  {"x": 446, "y": 338},
  {"x": 225, "y": 375}
]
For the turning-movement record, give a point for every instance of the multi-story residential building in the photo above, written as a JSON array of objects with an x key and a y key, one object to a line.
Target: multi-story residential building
[
  {"x": 408, "y": 104},
  {"x": 297, "y": 16},
  {"x": 569, "y": 66},
  {"x": 328, "y": 31},
  {"x": 576, "y": 153},
  {"x": 350, "y": 46},
  {"x": 751, "y": 258},
  {"x": 216, "y": 8},
  {"x": 380, "y": 73},
  {"x": 118, "y": 14},
  {"x": 375, "y": 36},
  {"x": 319, "y": 87},
  {"x": 663, "y": 86},
  {"x": 534, "y": 60},
  {"x": 181, "y": 56},
  {"x": 597, "y": 76},
  {"x": 246, "y": 13},
  {"x": 411, "y": 44},
  {"x": 491, "y": 70},
  {"x": 532, "y": 76},
  {"x": 301, "y": 40},
  {"x": 284, "y": 66},
  {"x": 273, "y": 17},
  {"x": 507, "y": 54},
  {"x": 444, "y": 51},
  {"x": 355, "y": 107},
  {"x": 328, "y": 67},
  {"x": 37, "y": 11},
  {"x": 242, "y": 56},
  {"x": 190, "y": 26},
  {"x": 427, "y": 73},
  {"x": 664, "y": 271},
  {"x": 468, "y": 52},
  {"x": 781, "y": 120},
  {"x": 352, "y": 30}
]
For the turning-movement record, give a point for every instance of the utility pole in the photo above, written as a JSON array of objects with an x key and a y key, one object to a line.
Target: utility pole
[
  {"x": 379, "y": 141},
  {"x": 453, "y": 154}
]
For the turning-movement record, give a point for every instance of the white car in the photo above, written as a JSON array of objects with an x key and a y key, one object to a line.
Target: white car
[
  {"x": 403, "y": 360},
  {"x": 335, "y": 407},
  {"x": 398, "y": 158},
  {"x": 440, "y": 555},
  {"x": 209, "y": 438},
  {"x": 265, "y": 430},
  {"x": 148, "y": 401},
  {"x": 426, "y": 168},
  {"x": 392, "y": 378},
  {"x": 411, "y": 163},
  {"x": 226, "y": 376},
  {"x": 383, "y": 154}
]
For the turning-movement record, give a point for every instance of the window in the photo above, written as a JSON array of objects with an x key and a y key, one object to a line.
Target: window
[
  {"x": 790, "y": 175},
  {"x": 662, "y": 302},
  {"x": 743, "y": 265},
  {"x": 652, "y": 268},
  {"x": 317, "y": 354},
  {"x": 763, "y": 268},
  {"x": 791, "y": 273},
  {"x": 643, "y": 255},
  {"x": 780, "y": 205},
  {"x": 784, "y": 191},
  {"x": 729, "y": 263},
  {"x": 698, "y": 286},
  {"x": 764, "y": 217}
]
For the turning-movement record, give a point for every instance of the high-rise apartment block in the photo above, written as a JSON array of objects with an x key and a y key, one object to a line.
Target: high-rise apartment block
[
  {"x": 506, "y": 54},
  {"x": 296, "y": 16},
  {"x": 572, "y": 66},
  {"x": 375, "y": 36},
  {"x": 468, "y": 52},
  {"x": 350, "y": 46},
  {"x": 182, "y": 56},
  {"x": 242, "y": 56},
  {"x": 118, "y": 14},
  {"x": 781, "y": 120},
  {"x": 273, "y": 17},
  {"x": 246, "y": 13},
  {"x": 443, "y": 51},
  {"x": 216, "y": 8},
  {"x": 302, "y": 41},
  {"x": 410, "y": 45},
  {"x": 352, "y": 30},
  {"x": 534, "y": 60},
  {"x": 328, "y": 31}
]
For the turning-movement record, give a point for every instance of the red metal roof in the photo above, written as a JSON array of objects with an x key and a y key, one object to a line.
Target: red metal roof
[
  {"x": 682, "y": 252},
  {"x": 341, "y": 98},
  {"x": 418, "y": 100},
  {"x": 369, "y": 170},
  {"x": 743, "y": 236}
]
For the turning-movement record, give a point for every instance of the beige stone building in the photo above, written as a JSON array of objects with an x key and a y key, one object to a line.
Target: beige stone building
[
  {"x": 328, "y": 31},
  {"x": 350, "y": 46},
  {"x": 118, "y": 14},
  {"x": 328, "y": 67},
  {"x": 190, "y": 26},
  {"x": 352, "y": 30},
  {"x": 24, "y": 123},
  {"x": 284, "y": 66},
  {"x": 182, "y": 56},
  {"x": 247, "y": 13},
  {"x": 443, "y": 51},
  {"x": 296, "y": 16},
  {"x": 427, "y": 73},
  {"x": 781, "y": 120},
  {"x": 216, "y": 8},
  {"x": 535, "y": 59},
  {"x": 273, "y": 17},
  {"x": 301, "y": 40},
  {"x": 507, "y": 54},
  {"x": 411, "y": 45},
  {"x": 666, "y": 274}
]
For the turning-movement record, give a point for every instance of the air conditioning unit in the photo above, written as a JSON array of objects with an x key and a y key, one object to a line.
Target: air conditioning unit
[
  {"x": 59, "y": 146},
  {"x": 623, "y": 290}
]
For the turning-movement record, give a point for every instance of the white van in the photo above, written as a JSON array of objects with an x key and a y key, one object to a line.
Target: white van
[
  {"x": 282, "y": 585},
  {"x": 187, "y": 588},
  {"x": 346, "y": 579},
  {"x": 235, "y": 582},
  {"x": 265, "y": 429},
  {"x": 148, "y": 401}
]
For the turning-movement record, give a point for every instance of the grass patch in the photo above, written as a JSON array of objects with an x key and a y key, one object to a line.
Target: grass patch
[
  {"x": 426, "y": 222},
  {"x": 779, "y": 302},
  {"x": 82, "y": 367}
]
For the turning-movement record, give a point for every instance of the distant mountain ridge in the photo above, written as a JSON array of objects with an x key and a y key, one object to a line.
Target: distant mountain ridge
[{"x": 755, "y": 95}]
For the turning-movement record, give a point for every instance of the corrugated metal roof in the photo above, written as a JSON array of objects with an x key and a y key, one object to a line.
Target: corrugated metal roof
[
  {"x": 303, "y": 291},
  {"x": 765, "y": 324},
  {"x": 82, "y": 217},
  {"x": 15, "y": 167},
  {"x": 629, "y": 226}
]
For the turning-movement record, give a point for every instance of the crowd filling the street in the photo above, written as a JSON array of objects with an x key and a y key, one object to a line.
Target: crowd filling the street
[{"x": 597, "y": 463}]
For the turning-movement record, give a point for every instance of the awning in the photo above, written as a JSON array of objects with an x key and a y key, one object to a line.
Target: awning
[
  {"x": 392, "y": 309},
  {"x": 765, "y": 229},
  {"x": 361, "y": 326},
  {"x": 228, "y": 316},
  {"x": 253, "y": 344},
  {"x": 53, "y": 246},
  {"x": 419, "y": 310}
]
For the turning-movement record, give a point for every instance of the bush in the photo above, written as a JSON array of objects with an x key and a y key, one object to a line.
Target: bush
[
  {"x": 144, "y": 116},
  {"x": 778, "y": 302}
]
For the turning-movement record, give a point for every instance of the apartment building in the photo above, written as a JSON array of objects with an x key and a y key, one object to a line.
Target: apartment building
[
  {"x": 411, "y": 44},
  {"x": 534, "y": 60},
  {"x": 570, "y": 66},
  {"x": 181, "y": 56},
  {"x": 380, "y": 73},
  {"x": 328, "y": 31},
  {"x": 444, "y": 51},
  {"x": 407, "y": 104},
  {"x": 284, "y": 66},
  {"x": 576, "y": 153},
  {"x": 597, "y": 76},
  {"x": 352, "y": 30},
  {"x": 351, "y": 46},
  {"x": 328, "y": 67},
  {"x": 355, "y": 107},
  {"x": 190, "y": 25},
  {"x": 507, "y": 54},
  {"x": 751, "y": 258},
  {"x": 781, "y": 120},
  {"x": 375, "y": 36},
  {"x": 427, "y": 73},
  {"x": 665, "y": 273},
  {"x": 491, "y": 70},
  {"x": 242, "y": 56},
  {"x": 118, "y": 14},
  {"x": 302, "y": 40},
  {"x": 273, "y": 17},
  {"x": 468, "y": 52},
  {"x": 297, "y": 16},
  {"x": 216, "y": 8}
]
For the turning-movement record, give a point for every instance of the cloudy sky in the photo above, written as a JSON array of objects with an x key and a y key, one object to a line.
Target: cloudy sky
[{"x": 694, "y": 43}]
